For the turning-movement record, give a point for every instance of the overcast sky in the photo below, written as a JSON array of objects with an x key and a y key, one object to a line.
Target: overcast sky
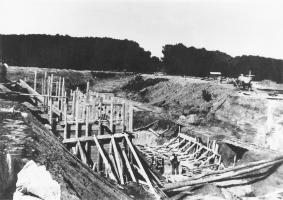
[{"x": 236, "y": 27}]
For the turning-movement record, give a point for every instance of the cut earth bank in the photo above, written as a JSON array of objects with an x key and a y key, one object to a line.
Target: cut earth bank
[{"x": 207, "y": 108}]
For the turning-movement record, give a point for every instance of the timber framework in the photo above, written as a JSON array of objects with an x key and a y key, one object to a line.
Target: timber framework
[{"x": 98, "y": 129}]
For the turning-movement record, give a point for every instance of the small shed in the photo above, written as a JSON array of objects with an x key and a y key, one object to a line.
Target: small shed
[{"x": 215, "y": 75}]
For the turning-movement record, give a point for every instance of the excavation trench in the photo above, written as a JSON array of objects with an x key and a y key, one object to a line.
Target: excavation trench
[{"x": 222, "y": 134}]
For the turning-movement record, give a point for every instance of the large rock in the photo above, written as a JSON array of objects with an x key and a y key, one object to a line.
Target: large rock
[{"x": 38, "y": 182}]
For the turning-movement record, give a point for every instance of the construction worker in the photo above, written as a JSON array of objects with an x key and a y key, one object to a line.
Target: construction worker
[{"x": 175, "y": 163}]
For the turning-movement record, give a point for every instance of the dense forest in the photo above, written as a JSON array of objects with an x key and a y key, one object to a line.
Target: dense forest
[
  {"x": 179, "y": 59},
  {"x": 125, "y": 55},
  {"x": 76, "y": 53}
]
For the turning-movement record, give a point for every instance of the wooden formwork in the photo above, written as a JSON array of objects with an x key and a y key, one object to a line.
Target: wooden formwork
[
  {"x": 193, "y": 155},
  {"x": 97, "y": 129}
]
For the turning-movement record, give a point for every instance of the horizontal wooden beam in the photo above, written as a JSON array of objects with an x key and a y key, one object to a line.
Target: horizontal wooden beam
[
  {"x": 80, "y": 121},
  {"x": 90, "y": 138},
  {"x": 93, "y": 127}
]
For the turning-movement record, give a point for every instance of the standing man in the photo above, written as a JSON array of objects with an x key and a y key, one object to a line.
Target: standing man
[{"x": 175, "y": 163}]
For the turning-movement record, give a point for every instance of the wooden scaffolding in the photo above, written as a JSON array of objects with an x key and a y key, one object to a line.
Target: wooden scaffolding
[{"x": 97, "y": 128}]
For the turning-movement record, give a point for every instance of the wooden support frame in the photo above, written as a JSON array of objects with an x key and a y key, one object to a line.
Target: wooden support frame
[
  {"x": 124, "y": 159},
  {"x": 107, "y": 165},
  {"x": 118, "y": 161},
  {"x": 141, "y": 167}
]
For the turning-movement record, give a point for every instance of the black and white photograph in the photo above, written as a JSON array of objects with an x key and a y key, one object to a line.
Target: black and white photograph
[{"x": 141, "y": 99}]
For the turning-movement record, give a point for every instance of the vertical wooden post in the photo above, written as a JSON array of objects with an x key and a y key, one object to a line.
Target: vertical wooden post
[
  {"x": 44, "y": 89},
  {"x": 51, "y": 85},
  {"x": 42, "y": 86},
  {"x": 84, "y": 107},
  {"x": 74, "y": 104},
  {"x": 87, "y": 133},
  {"x": 100, "y": 116},
  {"x": 35, "y": 78},
  {"x": 56, "y": 89},
  {"x": 59, "y": 86},
  {"x": 65, "y": 120},
  {"x": 99, "y": 131},
  {"x": 50, "y": 113},
  {"x": 63, "y": 86},
  {"x": 87, "y": 120},
  {"x": 87, "y": 87},
  {"x": 63, "y": 91},
  {"x": 123, "y": 115},
  {"x": 59, "y": 93},
  {"x": 48, "y": 92},
  {"x": 208, "y": 143},
  {"x": 45, "y": 81},
  {"x": 77, "y": 117},
  {"x": 131, "y": 116},
  {"x": 111, "y": 116}
]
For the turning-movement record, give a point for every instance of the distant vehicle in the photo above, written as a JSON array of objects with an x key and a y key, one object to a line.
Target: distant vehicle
[{"x": 244, "y": 82}]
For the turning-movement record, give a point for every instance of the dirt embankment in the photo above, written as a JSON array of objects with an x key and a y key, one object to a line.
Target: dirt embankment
[
  {"x": 210, "y": 107},
  {"x": 221, "y": 111}
]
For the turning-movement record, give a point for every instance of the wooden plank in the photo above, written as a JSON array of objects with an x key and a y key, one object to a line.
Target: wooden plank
[
  {"x": 51, "y": 85},
  {"x": 131, "y": 117},
  {"x": 185, "y": 146},
  {"x": 147, "y": 126},
  {"x": 111, "y": 116},
  {"x": 141, "y": 167},
  {"x": 50, "y": 112},
  {"x": 129, "y": 167},
  {"x": 66, "y": 123},
  {"x": 123, "y": 113},
  {"x": 222, "y": 176},
  {"x": 203, "y": 155},
  {"x": 74, "y": 104},
  {"x": 107, "y": 165},
  {"x": 31, "y": 90},
  {"x": 77, "y": 117},
  {"x": 207, "y": 160},
  {"x": 190, "y": 148},
  {"x": 87, "y": 122},
  {"x": 118, "y": 161},
  {"x": 56, "y": 88},
  {"x": 99, "y": 137},
  {"x": 82, "y": 153},
  {"x": 34, "y": 82}
]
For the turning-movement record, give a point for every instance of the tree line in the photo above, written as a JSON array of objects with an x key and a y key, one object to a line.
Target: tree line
[
  {"x": 92, "y": 53},
  {"x": 181, "y": 60},
  {"x": 80, "y": 53}
]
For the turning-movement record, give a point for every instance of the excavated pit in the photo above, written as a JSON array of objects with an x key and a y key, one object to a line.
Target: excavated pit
[{"x": 227, "y": 114}]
